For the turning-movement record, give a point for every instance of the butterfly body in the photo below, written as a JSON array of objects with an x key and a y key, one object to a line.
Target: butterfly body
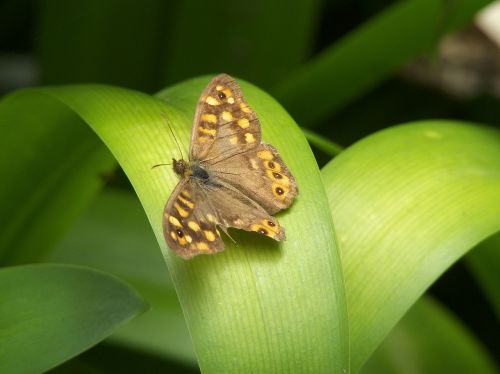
[{"x": 232, "y": 179}]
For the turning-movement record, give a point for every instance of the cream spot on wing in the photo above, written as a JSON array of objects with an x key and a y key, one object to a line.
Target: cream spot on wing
[
  {"x": 210, "y": 218},
  {"x": 226, "y": 116},
  {"x": 203, "y": 139},
  {"x": 210, "y": 118},
  {"x": 233, "y": 140},
  {"x": 219, "y": 88},
  {"x": 245, "y": 108},
  {"x": 194, "y": 226},
  {"x": 266, "y": 155},
  {"x": 243, "y": 123},
  {"x": 185, "y": 193},
  {"x": 238, "y": 222},
  {"x": 207, "y": 131},
  {"x": 210, "y": 100},
  {"x": 249, "y": 138},
  {"x": 254, "y": 163},
  {"x": 230, "y": 100},
  {"x": 209, "y": 235},
  {"x": 181, "y": 211},
  {"x": 202, "y": 246},
  {"x": 173, "y": 235},
  {"x": 188, "y": 203},
  {"x": 174, "y": 221},
  {"x": 188, "y": 238}
]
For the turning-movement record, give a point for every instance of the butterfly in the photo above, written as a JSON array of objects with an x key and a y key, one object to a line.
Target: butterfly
[{"x": 231, "y": 179}]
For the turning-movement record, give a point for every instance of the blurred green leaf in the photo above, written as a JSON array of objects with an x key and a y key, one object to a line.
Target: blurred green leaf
[
  {"x": 51, "y": 166},
  {"x": 484, "y": 262},
  {"x": 50, "y": 313},
  {"x": 368, "y": 55},
  {"x": 114, "y": 236},
  {"x": 260, "y": 41},
  {"x": 112, "y": 41},
  {"x": 407, "y": 202},
  {"x": 429, "y": 339},
  {"x": 241, "y": 305}
]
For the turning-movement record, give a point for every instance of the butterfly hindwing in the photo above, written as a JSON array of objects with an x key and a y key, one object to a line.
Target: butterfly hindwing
[
  {"x": 235, "y": 209},
  {"x": 223, "y": 124},
  {"x": 261, "y": 174},
  {"x": 189, "y": 225}
]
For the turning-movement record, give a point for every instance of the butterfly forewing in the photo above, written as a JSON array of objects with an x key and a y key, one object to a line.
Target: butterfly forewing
[
  {"x": 189, "y": 225},
  {"x": 224, "y": 124}
]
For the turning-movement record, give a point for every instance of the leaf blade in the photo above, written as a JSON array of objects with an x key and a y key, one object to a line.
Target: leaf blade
[
  {"x": 51, "y": 313},
  {"x": 407, "y": 202}
]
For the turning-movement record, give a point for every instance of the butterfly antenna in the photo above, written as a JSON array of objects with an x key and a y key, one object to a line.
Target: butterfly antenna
[
  {"x": 173, "y": 136},
  {"x": 155, "y": 166}
]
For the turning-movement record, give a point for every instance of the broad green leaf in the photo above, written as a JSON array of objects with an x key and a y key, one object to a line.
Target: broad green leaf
[
  {"x": 50, "y": 313},
  {"x": 429, "y": 339},
  {"x": 407, "y": 202},
  {"x": 241, "y": 306},
  {"x": 368, "y": 55},
  {"x": 52, "y": 165},
  {"x": 484, "y": 262},
  {"x": 114, "y": 236}
]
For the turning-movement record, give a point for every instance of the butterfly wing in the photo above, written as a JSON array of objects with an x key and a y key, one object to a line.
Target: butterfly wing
[
  {"x": 223, "y": 125},
  {"x": 236, "y": 209},
  {"x": 261, "y": 174},
  {"x": 189, "y": 223}
]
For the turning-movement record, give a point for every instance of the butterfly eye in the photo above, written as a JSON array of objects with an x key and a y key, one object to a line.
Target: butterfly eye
[
  {"x": 271, "y": 223},
  {"x": 263, "y": 231},
  {"x": 180, "y": 234},
  {"x": 279, "y": 191},
  {"x": 221, "y": 95}
]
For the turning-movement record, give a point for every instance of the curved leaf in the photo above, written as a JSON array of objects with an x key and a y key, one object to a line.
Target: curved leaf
[
  {"x": 484, "y": 263},
  {"x": 429, "y": 339},
  {"x": 51, "y": 166},
  {"x": 408, "y": 202},
  {"x": 114, "y": 236},
  {"x": 241, "y": 306},
  {"x": 50, "y": 313}
]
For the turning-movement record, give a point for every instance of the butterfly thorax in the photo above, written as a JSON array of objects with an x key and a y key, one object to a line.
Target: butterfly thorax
[{"x": 190, "y": 169}]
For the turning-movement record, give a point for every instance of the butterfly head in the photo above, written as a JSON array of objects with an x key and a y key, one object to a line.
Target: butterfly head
[{"x": 181, "y": 167}]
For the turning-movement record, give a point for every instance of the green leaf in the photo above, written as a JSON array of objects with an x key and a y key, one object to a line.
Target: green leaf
[
  {"x": 429, "y": 339},
  {"x": 241, "y": 306},
  {"x": 407, "y": 202},
  {"x": 484, "y": 263},
  {"x": 50, "y": 313},
  {"x": 368, "y": 55},
  {"x": 114, "y": 236},
  {"x": 51, "y": 166}
]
